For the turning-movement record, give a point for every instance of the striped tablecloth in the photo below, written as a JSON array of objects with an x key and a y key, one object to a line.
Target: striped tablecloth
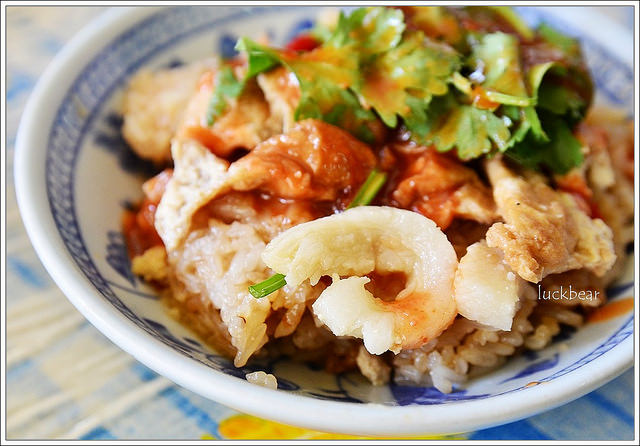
[{"x": 64, "y": 379}]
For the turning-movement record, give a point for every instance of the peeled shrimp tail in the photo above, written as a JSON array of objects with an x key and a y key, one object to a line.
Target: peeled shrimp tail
[{"x": 358, "y": 242}]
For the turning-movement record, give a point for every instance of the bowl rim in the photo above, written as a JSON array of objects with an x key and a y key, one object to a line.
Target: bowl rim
[{"x": 331, "y": 416}]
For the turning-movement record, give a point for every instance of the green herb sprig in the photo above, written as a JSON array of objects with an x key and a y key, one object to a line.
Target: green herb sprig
[{"x": 372, "y": 66}]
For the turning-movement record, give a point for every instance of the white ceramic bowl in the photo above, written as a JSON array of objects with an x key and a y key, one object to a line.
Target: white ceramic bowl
[{"x": 73, "y": 175}]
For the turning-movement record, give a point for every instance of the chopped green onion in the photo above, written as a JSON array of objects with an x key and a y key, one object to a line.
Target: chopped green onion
[
  {"x": 508, "y": 99},
  {"x": 369, "y": 189},
  {"x": 268, "y": 286}
]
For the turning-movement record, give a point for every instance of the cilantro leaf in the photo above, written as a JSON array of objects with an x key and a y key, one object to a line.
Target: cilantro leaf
[
  {"x": 569, "y": 69},
  {"x": 529, "y": 122},
  {"x": 471, "y": 130},
  {"x": 325, "y": 75},
  {"x": 496, "y": 61},
  {"x": 519, "y": 25},
  {"x": 422, "y": 122},
  {"x": 437, "y": 22},
  {"x": 418, "y": 68},
  {"x": 338, "y": 106},
  {"x": 373, "y": 30},
  {"x": 371, "y": 65},
  {"x": 226, "y": 87},
  {"x": 339, "y": 36},
  {"x": 561, "y": 101},
  {"x": 548, "y": 82},
  {"x": 536, "y": 74},
  {"x": 544, "y": 138},
  {"x": 560, "y": 153},
  {"x": 566, "y": 44},
  {"x": 260, "y": 58},
  {"x": 498, "y": 54},
  {"x": 366, "y": 64}
]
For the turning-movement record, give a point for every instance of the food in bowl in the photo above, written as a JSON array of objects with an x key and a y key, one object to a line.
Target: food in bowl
[{"x": 417, "y": 193}]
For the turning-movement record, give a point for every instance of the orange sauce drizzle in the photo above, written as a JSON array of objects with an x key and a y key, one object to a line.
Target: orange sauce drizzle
[{"x": 611, "y": 310}]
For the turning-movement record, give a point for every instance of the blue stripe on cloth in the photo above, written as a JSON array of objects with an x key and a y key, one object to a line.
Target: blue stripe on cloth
[
  {"x": 26, "y": 272},
  {"x": 18, "y": 84},
  {"x": 519, "y": 430},
  {"x": 190, "y": 410},
  {"x": 99, "y": 433},
  {"x": 610, "y": 407},
  {"x": 19, "y": 369},
  {"x": 51, "y": 44},
  {"x": 180, "y": 402},
  {"x": 144, "y": 373}
]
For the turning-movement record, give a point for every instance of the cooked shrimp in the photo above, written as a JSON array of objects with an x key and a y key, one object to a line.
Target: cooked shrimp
[
  {"x": 363, "y": 240},
  {"x": 486, "y": 290}
]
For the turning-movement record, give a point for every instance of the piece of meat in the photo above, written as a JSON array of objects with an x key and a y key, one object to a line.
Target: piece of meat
[
  {"x": 245, "y": 122},
  {"x": 198, "y": 176},
  {"x": 544, "y": 231},
  {"x": 575, "y": 183},
  {"x": 615, "y": 206},
  {"x": 609, "y": 172},
  {"x": 609, "y": 136},
  {"x": 442, "y": 188},
  {"x": 282, "y": 91},
  {"x": 313, "y": 161},
  {"x": 153, "y": 107}
]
